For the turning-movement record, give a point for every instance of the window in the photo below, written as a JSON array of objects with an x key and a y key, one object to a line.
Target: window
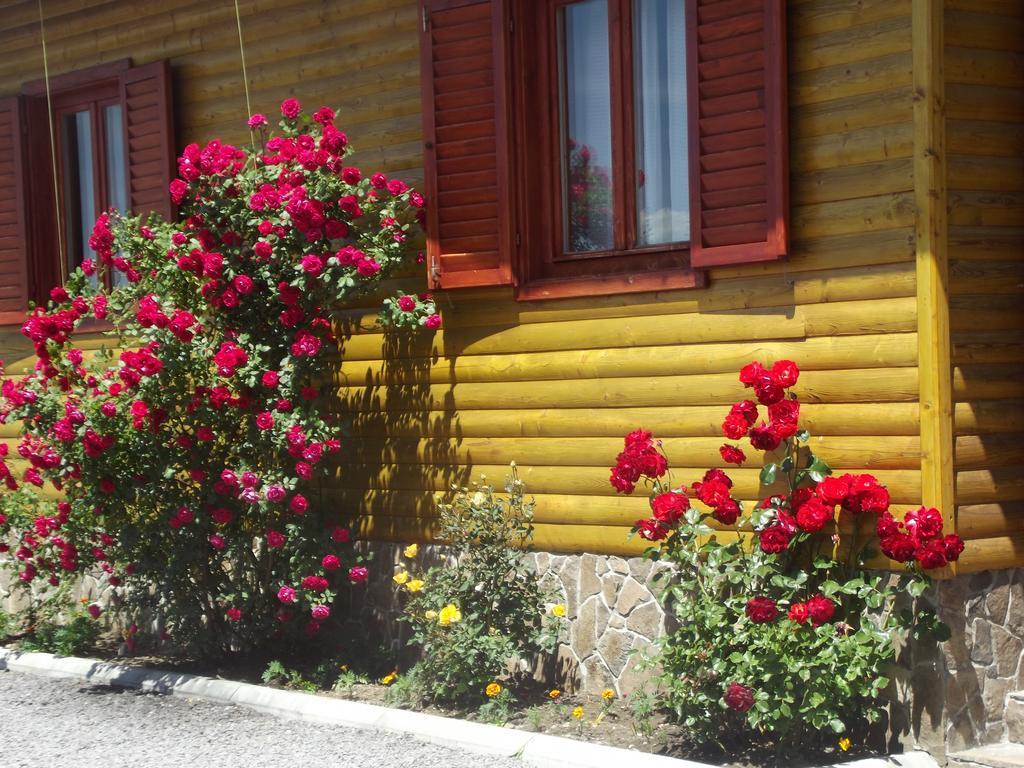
[
  {"x": 93, "y": 167},
  {"x": 598, "y": 146},
  {"x": 112, "y": 148}
]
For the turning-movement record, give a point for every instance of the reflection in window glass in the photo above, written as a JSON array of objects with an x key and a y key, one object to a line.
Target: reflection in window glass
[
  {"x": 79, "y": 189},
  {"x": 663, "y": 197},
  {"x": 586, "y": 127},
  {"x": 117, "y": 182}
]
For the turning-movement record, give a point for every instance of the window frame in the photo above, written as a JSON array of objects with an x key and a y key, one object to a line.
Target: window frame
[
  {"x": 543, "y": 268},
  {"x": 69, "y": 92},
  {"x": 94, "y": 98}
]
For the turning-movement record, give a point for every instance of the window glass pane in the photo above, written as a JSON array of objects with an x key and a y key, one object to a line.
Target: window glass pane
[
  {"x": 117, "y": 167},
  {"x": 79, "y": 191},
  {"x": 663, "y": 190},
  {"x": 586, "y": 127}
]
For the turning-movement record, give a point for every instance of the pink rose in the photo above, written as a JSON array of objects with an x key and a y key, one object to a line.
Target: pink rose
[
  {"x": 357, "y": 574},
  {"x": 286, "y": 595},
  {"x": 320, "y": 612}
]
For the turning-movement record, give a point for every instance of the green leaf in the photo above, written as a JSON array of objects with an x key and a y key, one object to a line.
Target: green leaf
[
  {"x": 917, "y": 588},
  {"x": 768, "y": 473}
]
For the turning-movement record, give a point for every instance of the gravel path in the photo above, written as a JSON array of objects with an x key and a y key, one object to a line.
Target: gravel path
[{"x": 70, "y": 724}]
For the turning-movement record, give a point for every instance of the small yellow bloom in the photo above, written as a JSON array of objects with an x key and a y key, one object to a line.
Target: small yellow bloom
[
  {"x": 558, "y": 610},
  {"x": 430, "y": 615},
  {"x": 344, "y": 667},
  {"x": 492, "y": 690},
  {"x": 607, "y": 694},
  {"x": 83, "y": 600},
  {"x": 554, "y": 693},
  {"x": 389, "y": 678},
  {"x": 578, "y": 713},
  {"x": 450, "y": 614},
  {"x": 844, "y": 743},
  {"x": 414, "y": 585},
  {"x": 401, "y": 577},
  {"x": 410, "y": 551}
]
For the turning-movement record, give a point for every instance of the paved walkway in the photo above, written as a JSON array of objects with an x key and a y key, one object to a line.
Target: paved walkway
[{"x": 69, "y": 724}]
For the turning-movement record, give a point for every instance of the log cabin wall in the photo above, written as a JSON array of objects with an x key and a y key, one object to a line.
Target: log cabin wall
[
  {"x": 984, "y": 74},
  {"x": 554, "y": 385}
]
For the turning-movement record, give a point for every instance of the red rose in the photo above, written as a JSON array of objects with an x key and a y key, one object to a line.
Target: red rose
[
  {"x": 886, "y": 526},
  {"x": 798, "y": 612},
  {"x": 924, "y": 523},
  {"x": 750, "y": 373},
  {"x": 620, "y": 480},
  {"x": 712, "y": 493},
  {"x": 876, "y": 500},
  {"x": 785, "y": 412},
  {"x": 783, "y": 430},
  {"x": 931, "y": 554},
  {"x": 651, "y": 530},
  {"x": 738, "y": 697},
  {"x": 812, "y": 516},
  {"x": 820, "y": 610},
  {"x": 732, "y": 455},
  {"x": 774, "y": 539},
  {"x": 735, "y": 426},
  {"x": 763, "y": 439},
  {"x": 727, "y": 512},
  {"x": 785, "y": 373},
  {"x": 899, "y": 547},
  {"x": 639, "y": 438},
  {"x": 669, "y": 507},
  {"x": 653, "y": 464},
  {"x": 833, "y": 490},
  {"x": 761, "y": 610},
  {"x": 953, "y": 545},
  {"x": 768, "y": 390},
  {"x": 747, "y": 409}
]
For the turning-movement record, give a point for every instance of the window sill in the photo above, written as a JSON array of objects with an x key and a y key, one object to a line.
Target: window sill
[{"x": 604, "y": 285}]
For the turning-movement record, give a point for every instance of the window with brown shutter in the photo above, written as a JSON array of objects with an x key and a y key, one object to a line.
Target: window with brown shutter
[
  {"x": 112, "y": 148},
  {"x": 13, "y": 228},
  {"x": 645, "y": 139}
]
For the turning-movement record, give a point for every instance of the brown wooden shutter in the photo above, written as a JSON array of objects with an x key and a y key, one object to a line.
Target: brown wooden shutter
[
  {"x": 14, "y": 288},
  {"x": 465, "y": 127},
  {"x": 146, "y": 96},
  {"x": 738, "y": 136}
]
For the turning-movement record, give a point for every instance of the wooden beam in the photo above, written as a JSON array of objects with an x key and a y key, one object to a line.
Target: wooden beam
[{"x": 930, "y": 196}]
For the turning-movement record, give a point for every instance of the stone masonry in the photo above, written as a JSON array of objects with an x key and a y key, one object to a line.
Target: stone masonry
[{"x": 981, "y": 664}]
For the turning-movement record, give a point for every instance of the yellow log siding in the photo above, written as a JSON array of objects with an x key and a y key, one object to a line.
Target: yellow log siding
[
  {"x": 554, "y": 385},
  {"x": 984, "y": 71}
]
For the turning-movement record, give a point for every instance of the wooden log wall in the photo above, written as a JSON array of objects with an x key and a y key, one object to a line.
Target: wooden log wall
[
  {"x": 554, "y": 385},
  {"x": 984, "y": 73}
]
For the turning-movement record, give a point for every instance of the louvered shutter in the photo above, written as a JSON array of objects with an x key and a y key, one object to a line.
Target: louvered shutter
[
  {"x": 146, "y": 96},
  {"x": 14, "y": 288},
  {"x": 738, "y": 135},
  {"x": 465, "y": 127}
]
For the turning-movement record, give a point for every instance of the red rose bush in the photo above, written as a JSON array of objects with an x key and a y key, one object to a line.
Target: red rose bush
[
  {"x": 783, "y": 631},
  {"x": 182, "y": 457}
]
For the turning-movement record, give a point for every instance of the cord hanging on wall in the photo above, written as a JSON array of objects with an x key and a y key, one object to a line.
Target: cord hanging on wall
[{"x": 62, "y": 260}]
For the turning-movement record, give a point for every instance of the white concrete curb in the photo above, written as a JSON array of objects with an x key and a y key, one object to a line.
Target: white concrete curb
[{"x": 537, "y": 750}]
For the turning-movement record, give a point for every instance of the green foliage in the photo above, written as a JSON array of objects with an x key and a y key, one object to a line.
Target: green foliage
[
  {"x": 73, "y": 637},
  {"x": 497, "y": 709},
  {"x": 485, "y": 607},
  {"x": 277, "y": 674}
]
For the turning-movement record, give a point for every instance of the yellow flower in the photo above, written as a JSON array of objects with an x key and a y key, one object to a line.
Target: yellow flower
[
  {"x": 558, "y": 610},
  {"x": 344, "y": 667},
  {"x": 607, "y": 694},
  {"x": 844, "y": 743},
  {"x": 430, "y": 615},
  {"x": 578, "y": 713},
  {"x": 401, "y": 577},
  {"x": 450, "y": 614},
  {"x": 554, "y": 693},
  {"x": 414, "y": 585},
  {"x": 389, "y": 678},
  {"x": 492, "y": 690},
  {"x": 410, "y": 551}
]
